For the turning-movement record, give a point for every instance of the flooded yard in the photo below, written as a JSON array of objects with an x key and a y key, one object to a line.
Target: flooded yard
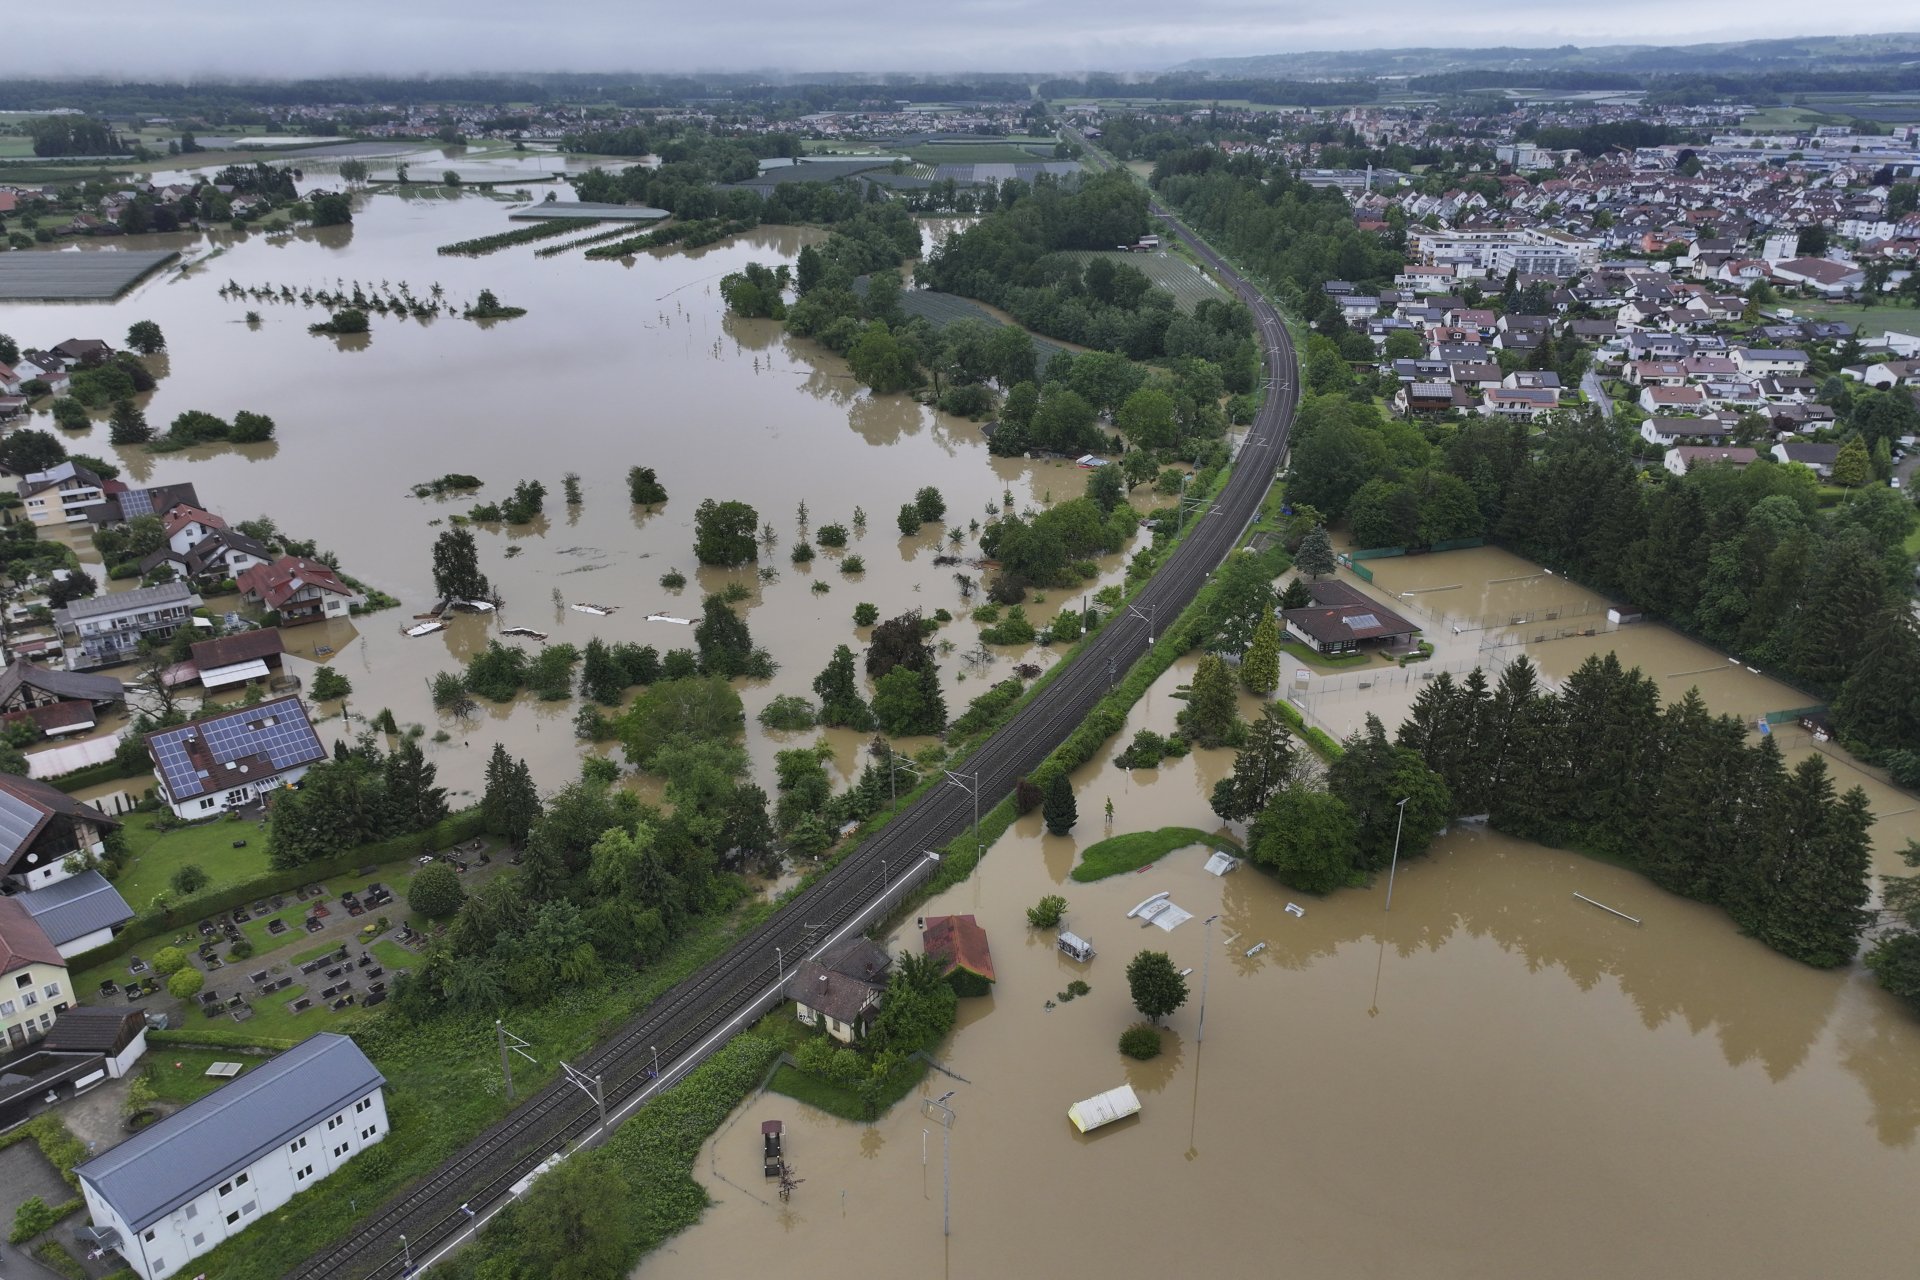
[
  {"x": 616, "y": 364},
  {"x": 1492, "y": 1080}
]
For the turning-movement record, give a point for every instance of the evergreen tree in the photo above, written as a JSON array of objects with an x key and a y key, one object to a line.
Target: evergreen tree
[
  {"x": 1060, "y": 811},
  {"x": 1372, "y": 776},
  {"x": 838, "y": 688},
  {"x": 456, "y": 567},
  {"x": 1853, "y": 467},
  {"x": 1260, "y": 668},
  {"x": 1695, "y": 829},
  {"x": 1878, "y": 709},
  {"x": 509, "y": 804},
  {"x": 1297, "y": 595},
  {"x": 1315, "y": 556},
  {"x": 128, "y": 425},
  {"x": 1211, "y": 717},
  {"x": 413, "y": 800},
  {"x": 725, "y": 644},
  {"x": 1260, "y": 769},
  {"x": 1808, "y": 897},
  {"x": 602, "y": 678}
]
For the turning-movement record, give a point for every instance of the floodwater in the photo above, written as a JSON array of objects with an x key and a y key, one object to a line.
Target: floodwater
[
  {"x": 616, "y": 364},
  {"x": 1492, "y": 1080}
]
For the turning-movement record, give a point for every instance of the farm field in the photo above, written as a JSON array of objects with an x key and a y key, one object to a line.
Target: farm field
[
  {"x": 1185, "y": 281},
  {"x": 942, "y": 309}
]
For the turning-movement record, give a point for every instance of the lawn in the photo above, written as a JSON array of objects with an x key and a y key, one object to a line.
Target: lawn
[
  {"x": 1138, "y": 849},
  {"x": 180, "y": 1075},
  {"x": 153, "y": 856},
  {"x": 1185, "y": 281},
  {"x": 1869, "y": 322},
  {"x": 394, "y": 956}
]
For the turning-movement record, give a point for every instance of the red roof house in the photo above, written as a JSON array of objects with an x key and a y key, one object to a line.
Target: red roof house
[
  {"x": 961, "y": 945},
  {"x": 300, "y": 590}
]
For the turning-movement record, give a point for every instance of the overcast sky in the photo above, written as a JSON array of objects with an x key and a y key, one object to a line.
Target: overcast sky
[{"x": 318, "y": 37}]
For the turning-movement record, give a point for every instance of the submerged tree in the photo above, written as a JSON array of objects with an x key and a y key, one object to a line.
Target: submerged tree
[{"x": 456, "y": 567}]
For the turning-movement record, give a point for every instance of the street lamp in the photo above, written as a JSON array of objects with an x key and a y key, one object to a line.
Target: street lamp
[
  {"x": 406, "y": 1253},
  {"x": 1206, "y": 964},
  {"x": 779, "y": 966},
  {"x": 945, "y": 1117},
  {"x": 1396, "y": 851}
]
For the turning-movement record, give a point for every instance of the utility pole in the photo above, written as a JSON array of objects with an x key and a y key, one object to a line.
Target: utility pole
[
  {"x": 1396, "y": 850},
  {"x": 937, "y": 1109},
  {"x": 589, "y": 1085},
  {"x": 1146, "y": 617},
  {"x": 509, "y": 1041},
  {"x": 1206, "y": 966},
  {"x": 959, "y": 780}
]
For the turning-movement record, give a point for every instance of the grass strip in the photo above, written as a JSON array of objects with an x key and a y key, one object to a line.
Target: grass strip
[{"x": 1136, "y": 849}]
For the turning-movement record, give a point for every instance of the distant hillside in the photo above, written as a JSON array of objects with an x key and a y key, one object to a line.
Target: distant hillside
[{"x": 1800, "y": 53}]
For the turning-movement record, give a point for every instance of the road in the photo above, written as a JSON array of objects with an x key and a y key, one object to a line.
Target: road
[
  {"x": 682, "y": 1028},
  {"x": 1596, "y": 392}
]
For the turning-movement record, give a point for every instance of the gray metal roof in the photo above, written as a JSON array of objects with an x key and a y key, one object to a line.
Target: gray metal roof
[
  {"x": 74, "y": 907},
  {"x": 162, "y": 1167},
  {"x": 19, "y": 822},
  {"x": 61, "y": 684},
  {"x": 128, "y": 601}
]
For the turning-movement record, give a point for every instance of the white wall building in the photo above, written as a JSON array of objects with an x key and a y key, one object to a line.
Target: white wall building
[
  {"x": 175, "y": 1190},
  {"x": 231, "y": 758}
]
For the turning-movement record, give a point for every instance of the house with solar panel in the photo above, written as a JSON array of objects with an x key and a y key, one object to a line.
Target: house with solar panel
[
  {"x": 232, "y": 758},
  {"x": 176, "y": 1189},
  {"x": 1344, "y": 620},
  {"x": 108, "y": 628}
]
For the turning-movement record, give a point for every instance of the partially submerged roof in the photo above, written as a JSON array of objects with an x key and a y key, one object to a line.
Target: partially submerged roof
[
  {"x": 246, "y": 744},
  {"x": 77, "y": 906},
  {"x": 960, "y": 942},
  {"x": 162, "y": 1167}
]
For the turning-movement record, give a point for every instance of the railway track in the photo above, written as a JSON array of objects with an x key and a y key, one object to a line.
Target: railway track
[{"x": 680, "y": 1029}]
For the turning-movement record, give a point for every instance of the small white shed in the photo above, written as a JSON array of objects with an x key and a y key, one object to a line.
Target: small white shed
[{"x": 1104, "y": 1108}]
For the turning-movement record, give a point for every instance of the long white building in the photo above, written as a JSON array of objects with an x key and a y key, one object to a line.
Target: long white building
[{"x": 175, "y": 1190}]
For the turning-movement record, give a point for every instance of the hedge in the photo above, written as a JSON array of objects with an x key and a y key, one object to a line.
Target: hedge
[
  {"x": 109, "y": 770},
  {"x": 213, "y": 1038},
  {"x": 456, "y": 828}
]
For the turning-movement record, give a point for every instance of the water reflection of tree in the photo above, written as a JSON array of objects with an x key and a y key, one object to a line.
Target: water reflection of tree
[
  {"x": 883, "y": 420},
  {"x": 1883, "y": 1058},
  {"x": 1155, "y": 1074},
  {"x": 751, "y": 335},
  {"x": 1693, "y": 978}
]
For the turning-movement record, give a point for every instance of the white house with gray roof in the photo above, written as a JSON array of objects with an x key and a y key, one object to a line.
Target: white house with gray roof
[
  {"x": 108, "y": 628},
  {"x": 175, "y": 1190}
]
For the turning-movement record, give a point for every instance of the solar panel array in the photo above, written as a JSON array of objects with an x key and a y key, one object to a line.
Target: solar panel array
[
  {"x": 277, "y": 730},
  {"x": 1361, "y": 621},
  {"x": 17, "y": 821},
  {"x": 136, "y": 502}
]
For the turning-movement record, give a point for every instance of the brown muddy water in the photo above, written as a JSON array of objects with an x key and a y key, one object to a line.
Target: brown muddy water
[
  {"x": 1491, "y": 1080},
  {"x": 621, "y": 363}
]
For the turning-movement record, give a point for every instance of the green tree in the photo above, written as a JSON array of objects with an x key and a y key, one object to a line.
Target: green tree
[
  {"x": 128, "y": 424},
  {"x": 644, "y": 487},
  {"x": 29, "y": 449},
  {"x": 509, "y": 804},
  {"x": 906, "y": 701},
  {"x": 930, "y": 504},
  {"x": 251, "y": 428},
  {"x": 1059, "y": 809},
  {"x": 1155, "y": 985},
  {"x": 722, "y": 637},
  {"x": 1315, "y": 556},
  {"x": 1211, "y": 717},
  {"x": 145, "y": 337},
  {"x": 579, "y": 1221},
  {"x": 1261, "y": 768},
  {"x": 186, "y": 984},
  {"x": 1146, "y": 419},
  {"x": 331, "y": 208},
  {"x": 413, "y": 801},
  {"x": 436, "y": 892},
  {"x": 456, "y": 567},
  {"x": 329, "y": 684},
  {"x": 1107, "y": 487},
  {"x": 910, "y": 521},
  {"x": 188, "y": 879},
  {"x": 602, "y": 678},
  {"x": 838, "y": 688},
  {"x": 1372, "y": 775},
  {"x": 1806, "y": 894},
  {"x": 1306, "y": 838},
  {"x": 168, "y": 961},
  {"x": 674, "y": 712},
  {"x": 1048, "y": 912},
  {"x": 725, "y": 533},
  {"x": 1853, "y": 467},
  {"x": 1260, "y": 668}
]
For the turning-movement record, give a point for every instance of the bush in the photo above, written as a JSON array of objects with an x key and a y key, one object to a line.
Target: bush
[
  {"x": 910, "y": 521},
  {"x": 788, "y": 711},
  {"x": 852, "y": 565},
  {"x": 1047, "y": 913},
  {"x": 189, "y": 880},
  {"x": 436, "y": 892},
  {"x": 1027, "y": 796},
  {"x": 802, "y": 552},
  {"x": 32, "y": 1218},
  {"x": 599, "y": 769},
  {"x": 186, "y": 984},
  {"x": 831, "y": 535},
  {"x": 1140, "y": 1041},
  {"x": 865, "y": 615},
  {"x": 673, "y": 579},
  {"x": 930, "y": 504},
  {"x": 329, "y": 684},
  {"x": 169, "y": 961}
]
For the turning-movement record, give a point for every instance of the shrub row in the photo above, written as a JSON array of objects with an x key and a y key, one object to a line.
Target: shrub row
[{"x": 546, "y": 230}]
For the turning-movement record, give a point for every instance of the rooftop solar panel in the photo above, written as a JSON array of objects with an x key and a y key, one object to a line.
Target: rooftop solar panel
[
  {"x": 1361, "y": 621},
  {"x": 278, "y": 730},
  {"x": 136, "y": 502}
]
